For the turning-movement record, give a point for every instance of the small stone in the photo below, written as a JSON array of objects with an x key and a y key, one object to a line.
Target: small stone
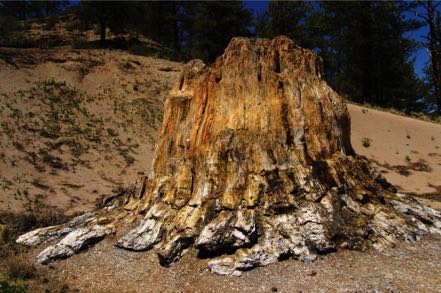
[{"x": 104, "y": 220}]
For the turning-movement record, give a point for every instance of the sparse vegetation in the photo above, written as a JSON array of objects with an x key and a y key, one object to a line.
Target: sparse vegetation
[
  {"x": 366, "y": 142},
  {"x": 16, "y": 263},
  {"x": 20, "y": 266},
  {"x": 39, "y": 182},
  {"x": 50, "y": 133},
  {"x": 435, "y": 118},
  {"x": 36, "y": 215},
  {"x": 11, "y": 286}
]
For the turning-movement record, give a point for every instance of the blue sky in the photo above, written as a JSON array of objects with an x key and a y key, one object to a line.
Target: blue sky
[
  {"x": 421, "y": 55},
  {"x": 257, "y": 6}
]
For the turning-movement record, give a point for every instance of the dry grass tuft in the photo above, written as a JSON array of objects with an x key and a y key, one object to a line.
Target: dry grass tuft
[{"x": 20, "y": 266}]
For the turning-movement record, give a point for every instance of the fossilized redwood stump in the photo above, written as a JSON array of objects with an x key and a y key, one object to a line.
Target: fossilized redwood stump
[{"x": 254, "y": 164}]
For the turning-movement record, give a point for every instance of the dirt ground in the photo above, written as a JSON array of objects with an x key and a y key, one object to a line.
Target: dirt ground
[{"x": 405, "y": 268}]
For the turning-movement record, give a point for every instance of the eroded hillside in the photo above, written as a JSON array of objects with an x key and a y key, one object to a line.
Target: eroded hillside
[{"x": 77, "y": 125}]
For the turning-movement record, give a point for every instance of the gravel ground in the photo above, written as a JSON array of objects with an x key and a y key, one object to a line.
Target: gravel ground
[{"x": 405, "y": 268}]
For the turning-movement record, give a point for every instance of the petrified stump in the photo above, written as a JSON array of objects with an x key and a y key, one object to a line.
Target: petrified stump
[{"x": 254, "y": 164}]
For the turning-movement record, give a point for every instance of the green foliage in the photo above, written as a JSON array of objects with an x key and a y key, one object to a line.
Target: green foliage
[
  {"x": 366, "y": 142},
  {"x": 25, "y": 9},
  {"x": 9, "y": 25},
  {"x": 39, "y": 182},
  {"x": 51, "y": 21},
  {"x": 11, "y": 286},
  {"x": 118, "y": 16},
  {"x": 213, "y": 26},
  {"x": 161, "y": 21},
  {"x": 11, "y": 31},
  {"x": 366, "y": 52},
  {"x": 287, "y": 18},
  {"x": 430, "y": 14}
]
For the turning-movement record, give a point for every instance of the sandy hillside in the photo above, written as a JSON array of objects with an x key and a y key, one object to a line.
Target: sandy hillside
[
  {"x": 407, "y": 151},
  {"x": 76, "y": 125}
]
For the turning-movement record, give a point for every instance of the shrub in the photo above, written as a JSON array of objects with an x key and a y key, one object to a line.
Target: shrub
[
  {"x": 14, "y": 224},
  {"x": 39, "y": 182},
  {"x": 19, "y": 266},
  {"x": 366, "y": 142},
  {"x": 8, "y": 286}
]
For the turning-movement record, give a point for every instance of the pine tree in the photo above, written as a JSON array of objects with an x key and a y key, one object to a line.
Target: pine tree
[
  {"x": 46, "y": 8},
  {"x": 212, "y": 26},
  {"x": 287, "y": 18},
  {"x": 161, "y": 21},
  {"x": 118, "y": 16},
  {"x": 432, "y": 18},
  {"x": 365, "y": 46},
  {"x": 10, "y": 26},
  {"x": 17, "y": 9}
]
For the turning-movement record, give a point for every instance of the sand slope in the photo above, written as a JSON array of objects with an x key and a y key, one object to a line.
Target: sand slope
[
  {"x": 76, "y": 125},
  {"x": 407, "y": 151}
]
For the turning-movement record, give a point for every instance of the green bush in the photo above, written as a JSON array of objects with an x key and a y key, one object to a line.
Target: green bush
[
  {"x": 9, "y": 286},
  {"x": 366, "y": 142}
]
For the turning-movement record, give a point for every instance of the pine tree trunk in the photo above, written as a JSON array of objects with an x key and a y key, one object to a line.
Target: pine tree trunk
[
  {"x": 253, "y": 164},
  {"x": 102, "y": 21},
  {"x": 435, "y": 54}
]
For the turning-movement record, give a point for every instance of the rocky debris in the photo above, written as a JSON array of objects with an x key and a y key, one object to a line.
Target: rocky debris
[
  {"x": 254, "y": 163},
  {"x": 43, "y": 235},
  {"x": 228, "y": 230},
  {"x": 78, "y": 233},
  {"x": 74, "y": 242},
  {"x": 142, "y": 237},
  {"x": 47, "y": 234}
]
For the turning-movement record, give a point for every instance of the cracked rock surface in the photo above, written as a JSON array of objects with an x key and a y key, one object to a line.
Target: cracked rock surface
[
  {"x": 73, "y": 243},
  {"x": 254, "y": 164}
]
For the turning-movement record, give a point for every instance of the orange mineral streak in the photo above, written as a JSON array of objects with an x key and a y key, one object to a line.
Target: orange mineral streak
[
  {"x": 261, "y": 106},
  {"x": 254, "y": 91}
]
